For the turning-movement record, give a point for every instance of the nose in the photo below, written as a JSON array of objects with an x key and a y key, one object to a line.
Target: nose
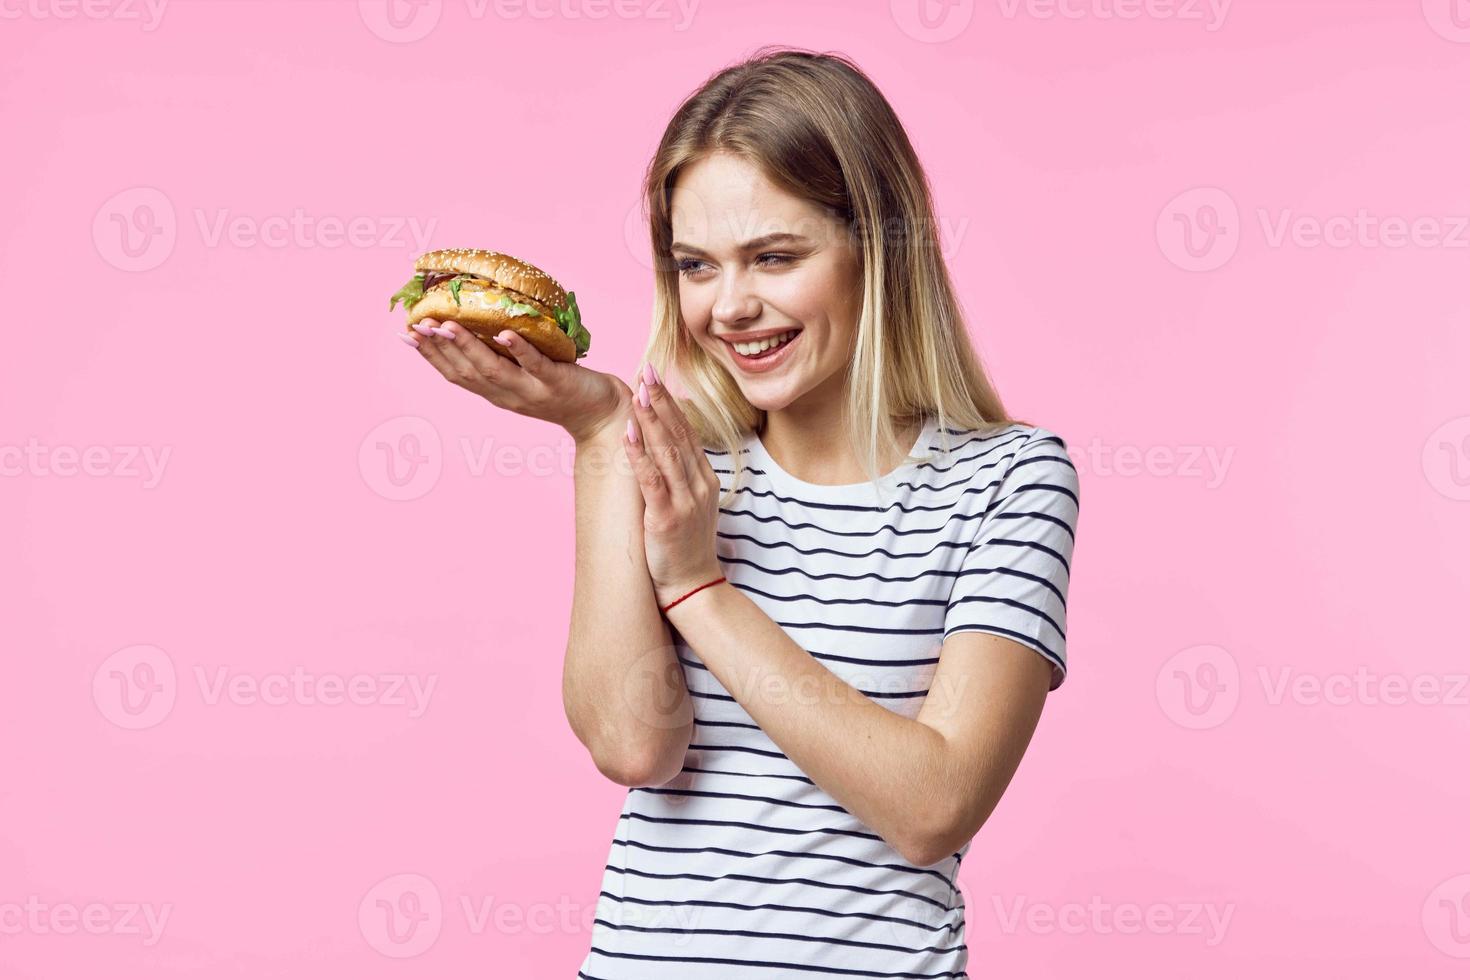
[{"x": 735, "y": 302}]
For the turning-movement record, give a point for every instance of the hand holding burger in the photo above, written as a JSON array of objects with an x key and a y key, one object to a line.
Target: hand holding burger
[
  {"x": 480, "y": 296},
  {"x": 488, "y": 292}
]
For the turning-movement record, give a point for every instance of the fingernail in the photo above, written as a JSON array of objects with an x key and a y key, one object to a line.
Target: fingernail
[
  {"x": 504, "y": 336},
  {"x": 632, "y": 432},
  {"x": 649, "y": 374},
  {"x": 411, "y": 341},
  {"x": 443, "y": 332},
  {"x": 643, "y": 395},
  {"x": 426, "y": 331}
]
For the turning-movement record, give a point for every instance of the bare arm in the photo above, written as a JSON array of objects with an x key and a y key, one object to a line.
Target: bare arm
[{"x": 622, "y": 687}]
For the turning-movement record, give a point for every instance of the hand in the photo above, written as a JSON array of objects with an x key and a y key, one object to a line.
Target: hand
[
  {"x": 681, "y": 495},
  {"x": 526, "y": 382}
]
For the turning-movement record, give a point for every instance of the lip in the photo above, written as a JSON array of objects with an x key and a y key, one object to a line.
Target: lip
[{"x": 761, "y": 365}]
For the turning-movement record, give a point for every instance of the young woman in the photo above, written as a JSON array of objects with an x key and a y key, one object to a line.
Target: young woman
[{"x": 819, "y": 602}]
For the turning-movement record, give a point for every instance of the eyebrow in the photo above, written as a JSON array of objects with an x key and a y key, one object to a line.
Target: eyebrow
[{"x": 750, "y": 246}]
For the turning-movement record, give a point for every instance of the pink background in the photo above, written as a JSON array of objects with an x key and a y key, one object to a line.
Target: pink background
[{"x": 1172, "y": 778}]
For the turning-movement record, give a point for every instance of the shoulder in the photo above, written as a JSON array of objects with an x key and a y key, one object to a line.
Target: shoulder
[
  {"x": 1042, "y": 461},
  {"x": 1014, "y": 456}
]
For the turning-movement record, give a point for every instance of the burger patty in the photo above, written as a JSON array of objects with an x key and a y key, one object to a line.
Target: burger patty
[{"x": 432, "y": 279}]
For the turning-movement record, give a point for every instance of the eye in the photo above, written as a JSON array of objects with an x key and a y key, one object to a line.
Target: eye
[
  {"x": 687, "y": 266},
  {"x": 781, "y": 256}
]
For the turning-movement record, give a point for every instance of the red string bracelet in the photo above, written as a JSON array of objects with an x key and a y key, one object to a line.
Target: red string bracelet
[{"x": 690, "y": 593}]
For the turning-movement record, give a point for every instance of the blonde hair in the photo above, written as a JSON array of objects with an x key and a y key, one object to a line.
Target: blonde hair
[{"x": 817, "y": 127}]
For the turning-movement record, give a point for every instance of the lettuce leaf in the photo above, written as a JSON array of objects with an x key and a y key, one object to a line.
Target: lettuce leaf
[
  {"x": 411, "y": 293},
  {"x": 569, "y": 318}
]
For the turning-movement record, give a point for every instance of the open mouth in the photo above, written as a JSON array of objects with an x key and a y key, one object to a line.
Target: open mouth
[{"x": 765, "y": 349}]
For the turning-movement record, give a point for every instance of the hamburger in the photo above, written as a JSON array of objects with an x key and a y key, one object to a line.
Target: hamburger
[{"x": 488, "y": 292}]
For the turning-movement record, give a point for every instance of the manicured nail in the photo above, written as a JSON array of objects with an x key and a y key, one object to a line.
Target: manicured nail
[
  {"x": 412, "y": 341},
  {"x": 443, "y": 332},
  {"x": 504, "y": 336},
  {"x": 426, "y": 331},
  {"x": 649, "y": 374},
  {"x": 632, "y": 432},
  {"x": 643, "y": 395}
]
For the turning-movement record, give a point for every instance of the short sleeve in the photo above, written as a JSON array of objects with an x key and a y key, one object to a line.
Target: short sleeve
[{"x": 1013, "y": 579}]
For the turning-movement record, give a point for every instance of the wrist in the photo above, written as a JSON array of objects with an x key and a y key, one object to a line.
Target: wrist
[{"x": 677, "y": 599}]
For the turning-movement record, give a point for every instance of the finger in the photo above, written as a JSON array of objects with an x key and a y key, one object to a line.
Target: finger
[
  {"x": 463, "y": 367},
  {"x": 497, "y": 368},
  {"x": 525, "y": 353},
  {"x": 673, "y": 420},
  {"x": 431, "y": 353},
  {"x": 675, "y": 428},
  {"x": 660, "y": 445},
  {"x": 424, "y": 326},
  {"x": 652, "y": 482}
]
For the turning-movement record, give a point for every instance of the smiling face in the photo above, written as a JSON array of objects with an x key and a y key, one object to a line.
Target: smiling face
[{"x": 756, "y": 262}]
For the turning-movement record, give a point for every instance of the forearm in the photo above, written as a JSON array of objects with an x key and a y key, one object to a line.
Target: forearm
[
  {"x": 622, "y": 686},
  {"x": 889, "y": 771}
]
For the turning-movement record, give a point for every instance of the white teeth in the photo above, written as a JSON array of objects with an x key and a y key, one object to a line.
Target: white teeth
[{"x": 756, "y": 346}]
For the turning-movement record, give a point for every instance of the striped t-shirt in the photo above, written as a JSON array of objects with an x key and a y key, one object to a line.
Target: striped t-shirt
[{"x": 741, "y": 866}]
